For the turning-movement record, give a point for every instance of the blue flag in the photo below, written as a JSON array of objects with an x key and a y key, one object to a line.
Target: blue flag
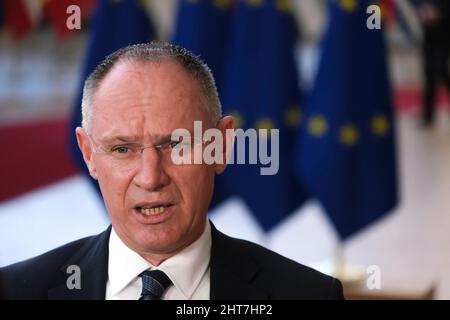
[
  {"x": 258, "y": 85},
  {"x": 203, "y": 28},
  {"x": 346, "y": 154},
  {"x": 115, "y": 24}
]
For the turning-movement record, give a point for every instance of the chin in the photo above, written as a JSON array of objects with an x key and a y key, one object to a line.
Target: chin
[{"x": 159, "y": 243}]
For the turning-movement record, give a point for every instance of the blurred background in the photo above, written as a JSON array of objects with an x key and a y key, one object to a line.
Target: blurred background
[{"x": 358, "y": 89}]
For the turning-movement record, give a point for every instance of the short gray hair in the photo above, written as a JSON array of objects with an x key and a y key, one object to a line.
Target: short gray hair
[{"x": 154, "y": 51}]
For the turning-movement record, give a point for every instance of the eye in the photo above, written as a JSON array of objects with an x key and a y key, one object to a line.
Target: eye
[
  {"x": 174, "y": 144},
  {"x": 120, "y": 149}
]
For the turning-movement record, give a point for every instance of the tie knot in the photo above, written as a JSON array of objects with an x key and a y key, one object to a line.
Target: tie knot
[{"x": 154, "y": 283}]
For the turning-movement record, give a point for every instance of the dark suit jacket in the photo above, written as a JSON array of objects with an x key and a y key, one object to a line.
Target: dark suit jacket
[{"x": 239, "y": 270}]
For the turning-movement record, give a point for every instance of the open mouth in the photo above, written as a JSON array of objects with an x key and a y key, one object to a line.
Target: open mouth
[{"x": 152, "y": 210}]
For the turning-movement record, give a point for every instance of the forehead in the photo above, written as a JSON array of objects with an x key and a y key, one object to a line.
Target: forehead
[{"x": 146, "y": 98}]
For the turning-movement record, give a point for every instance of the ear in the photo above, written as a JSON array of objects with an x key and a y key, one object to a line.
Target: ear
[
  {"x": 85, "y": 146},
  {"x": 226, "y": 127}
]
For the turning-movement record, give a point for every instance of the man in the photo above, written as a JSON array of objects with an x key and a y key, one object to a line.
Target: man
[
  {"x": 132, "y": 103},
  {"x": 434, "y": 15}
]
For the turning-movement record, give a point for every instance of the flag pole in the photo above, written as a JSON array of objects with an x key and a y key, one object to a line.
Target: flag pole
[
  {"x": 339, "y": 261},
  {"x": 347, "y": 273}
]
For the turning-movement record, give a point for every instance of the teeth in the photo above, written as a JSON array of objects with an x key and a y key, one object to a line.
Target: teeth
[{"x": 153, "y": 210}]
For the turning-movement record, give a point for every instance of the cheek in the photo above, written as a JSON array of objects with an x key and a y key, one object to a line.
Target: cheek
[
  {"x": 113, "y": 184},
  {"x": 196, "y": 186},
  {"x": 108, "y": 172}
]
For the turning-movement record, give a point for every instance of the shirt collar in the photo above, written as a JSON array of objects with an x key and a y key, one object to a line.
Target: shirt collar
[{"x": 185, "y": 269}]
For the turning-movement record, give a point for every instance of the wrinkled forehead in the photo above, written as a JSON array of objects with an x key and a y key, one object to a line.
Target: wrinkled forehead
[{"x": 145, "y": 99}]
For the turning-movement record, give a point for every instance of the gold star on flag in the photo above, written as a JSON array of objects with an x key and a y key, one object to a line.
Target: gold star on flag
[
  {"x": 348, "y": 135},
  {"x": 222, "y": 4},
  {"x": 349, "y": 5},
  {"x": 284, "y": 5},
  {"x": 264, "y": 123},
  {"x": 238, "y": 121},
  {"x": 380, "y": 125},
  {"x": 142, "y": 3},
  {"x": 317, "y": 126},
  {"x": 293, "y": 117},
  {"x": 255, "y": 3}
]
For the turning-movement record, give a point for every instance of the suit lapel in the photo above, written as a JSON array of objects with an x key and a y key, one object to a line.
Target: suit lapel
[
  {"x": 232, "y": 271},
  {"x": 92, "y": 259}
]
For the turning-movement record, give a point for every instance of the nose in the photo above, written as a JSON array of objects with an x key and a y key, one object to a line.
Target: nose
[{"x": 150, "y": 172}]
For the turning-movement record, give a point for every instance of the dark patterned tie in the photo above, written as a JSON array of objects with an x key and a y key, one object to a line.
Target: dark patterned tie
[{"x": 154, "y": 283}]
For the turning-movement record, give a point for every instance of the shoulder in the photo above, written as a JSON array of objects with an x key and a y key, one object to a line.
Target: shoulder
[
  {"x": 283, "y": 278},
  {"x": 32, "y": 277}
]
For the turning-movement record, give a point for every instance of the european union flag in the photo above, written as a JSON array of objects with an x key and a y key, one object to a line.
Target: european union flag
[
  {"x": 203, "y": 27},
  {"x": 258, "y": 85},
  {"x": 115, "y": 24},
  {"x": 347, "y": 153}
]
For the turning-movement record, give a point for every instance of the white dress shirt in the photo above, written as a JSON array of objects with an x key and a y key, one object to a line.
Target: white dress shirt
[{"x": 188, "y": 270}]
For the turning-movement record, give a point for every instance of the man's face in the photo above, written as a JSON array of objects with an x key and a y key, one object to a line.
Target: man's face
[{"x": 141, "y": 104}]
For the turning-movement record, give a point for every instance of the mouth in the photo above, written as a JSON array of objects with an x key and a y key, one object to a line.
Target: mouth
[{"x": 152, "y": 209}]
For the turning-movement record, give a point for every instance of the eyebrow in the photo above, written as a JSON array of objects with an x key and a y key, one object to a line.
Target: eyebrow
[
  {"x": 109, "y": 140},
  {"x": 133, "y": 139}
]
